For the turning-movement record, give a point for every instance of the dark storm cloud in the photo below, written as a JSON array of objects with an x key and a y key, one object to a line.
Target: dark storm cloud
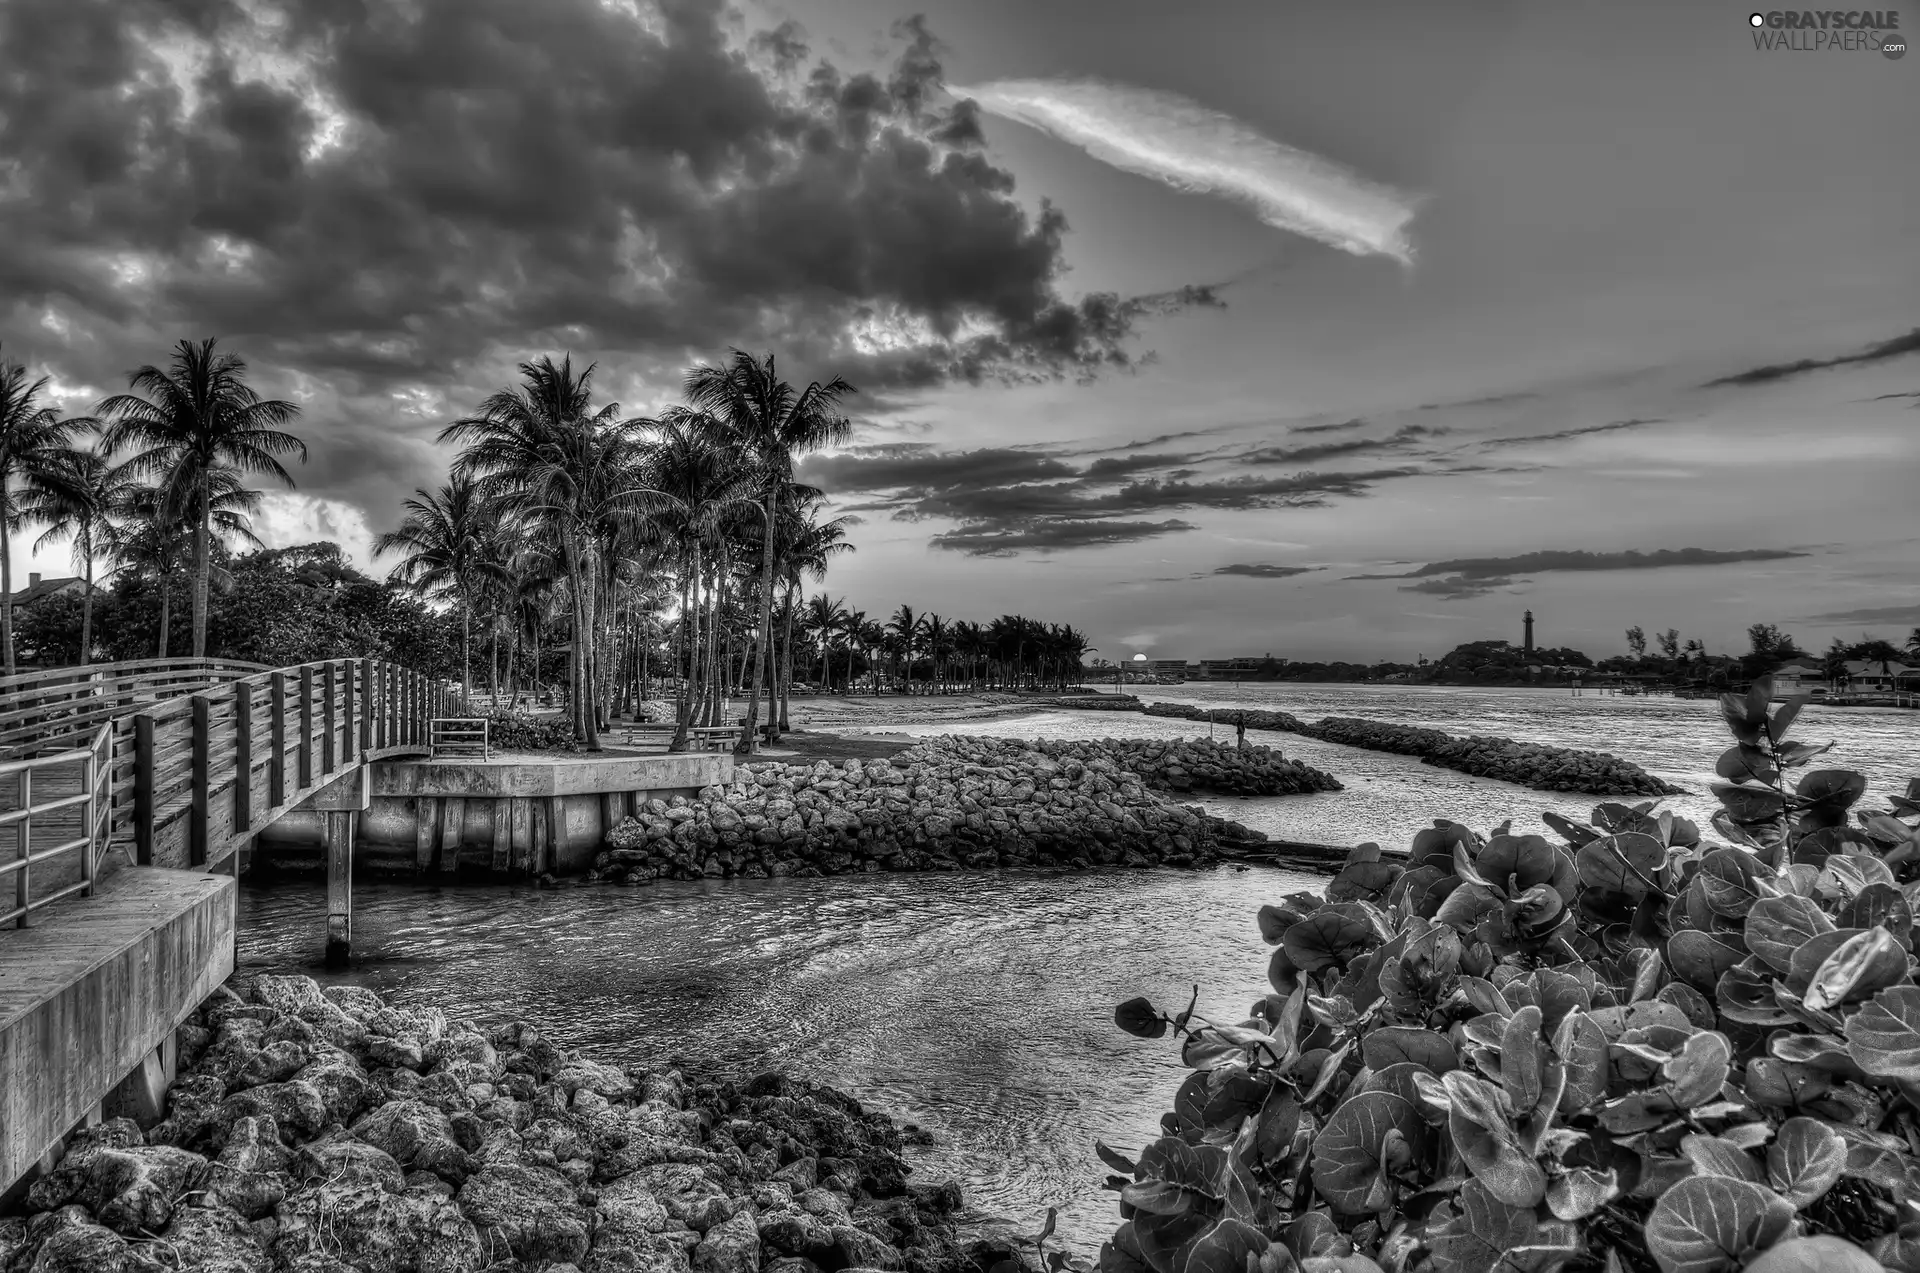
[
  {"x": 1399, "y": 440},
  {"x": 1457, "y": 587},
  {"x": 1072, "y": 500},
  {"x": 423, "y": 195},
  {"x": 1117, "y": 466},
  {"x": 1580, "y": 431},
  {"x": 1540, "y": 562},
  {"x": 1870, "y": 614},
  {"x": 918, "y": 467},
  {"x": 1263, "y": 570},
  {"x": 1049, "y": 535},
  {"x": 1895, "y": 347}
]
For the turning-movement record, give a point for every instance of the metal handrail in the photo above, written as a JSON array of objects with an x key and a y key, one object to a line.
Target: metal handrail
[{"x": 94, "y": 799}]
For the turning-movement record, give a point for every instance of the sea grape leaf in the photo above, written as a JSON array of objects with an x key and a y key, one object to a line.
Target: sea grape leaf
[
  {"x": 1883, "y": 1037},
  {"x": 1811, "y": 954},
  {"x": 1572, "y": 832},
  {"x": 1236, "y": 1098},
  {"x": 1712, "y": 1156},
  {"x": 1327, "y": 939},
  {"x": 1580, "y": 1191},
  {"x": 1159, "y": 1198},
  {"x": 1198, "y": 1168},
  {"x": 1871, "y": 960},
  {"x": 1776, "y": 1084},
  {"x": 1467, "y": 905},
  {"x": 1348, "y": 1167},
  {"x": 1140, "y": 1018},
  {"x": 1778, "y": 926},
  {"x": 1836, "y": 788},
  {"x": 1364, "y": 882},
  {"x": 1121, "y": 1253},
  {"x": 1515, "y": 863},
  {"x": 1394, "y": 1044},
  {"x": 1114, "y": 1158},
  {"x": 1279, "y": 1120},
  {"x": 1520, "y": 1058},
  {"x": 1783, "y": 716},
  {"x": 1745, "y": 764},
  {"x": 1481, "y": 1230},
  {"x": 1486, "y": 1142},
  {"x": 1699, "y": 958},
  {"x": 1805, "y": 1160},
  {"x": 1749, "y": 805},
  {"x": 1697, "y": 1007},
  {"x": 1224, "y": 1248},
  {"x": 1697, "y": 1074},
  {"x": 1727, "y": 881},
  {"x": 1625, "y": 863},
  {"x": 1747, "y": 997},
  {"x": 1708, "y": 1224},
  {"x": 1160, "y": 1237},
  {"x": 1883, "y": 905},
  {"x": 1582, "y": 1048}
]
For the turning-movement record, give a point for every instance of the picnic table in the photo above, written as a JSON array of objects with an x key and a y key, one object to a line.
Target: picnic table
[{"x": 699, "y": 737}]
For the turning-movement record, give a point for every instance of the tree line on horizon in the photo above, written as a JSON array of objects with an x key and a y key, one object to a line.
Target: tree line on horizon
[{"x": 560, "y": 519}]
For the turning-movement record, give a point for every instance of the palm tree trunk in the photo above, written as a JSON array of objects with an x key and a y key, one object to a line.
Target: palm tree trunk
[
  {"x": 690, "y": 638},
  {"x": 6, "y": 584},
  {"x": 166, "y": 613},
  {"x": 747, "y": 740},
  {"x": 86, "y": 609},
  {"x": 786, "y": 666},
  {"x": 466, "y": 654},
  {"x": 202, "y": 569}
]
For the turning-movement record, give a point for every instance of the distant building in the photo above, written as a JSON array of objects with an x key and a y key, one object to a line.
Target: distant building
[
  {"x": 39, "y": 589},
  {"x": 1874, "y": 676},
  {"x": 1799, "y": 676},
  {"x": 1167, "y": 667}
]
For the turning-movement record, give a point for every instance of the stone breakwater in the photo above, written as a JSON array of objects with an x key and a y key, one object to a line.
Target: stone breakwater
[
  {"x": 1534, "y": 765},
  {"x": 943, "y": 804},
  {"x": 1199, "y": 764},
  {"x": 327, "y": 1132}
]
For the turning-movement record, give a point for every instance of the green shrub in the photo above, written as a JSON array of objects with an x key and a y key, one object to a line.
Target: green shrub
[
  {"x": 519, "y": 731},
  {"x": 1634, "y": 1050}
]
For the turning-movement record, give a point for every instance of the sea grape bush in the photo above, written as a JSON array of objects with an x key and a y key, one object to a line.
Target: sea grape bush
[
  {"x": 522, "y": 731},
  {"x": 1637, "y": 1049}
]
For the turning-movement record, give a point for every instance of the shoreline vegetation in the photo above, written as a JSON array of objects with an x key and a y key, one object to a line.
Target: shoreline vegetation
[{"x": 1637, "y": 1050}]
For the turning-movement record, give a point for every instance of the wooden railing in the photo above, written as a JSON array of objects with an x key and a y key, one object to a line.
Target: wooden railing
[
  {"x": 60, "y": 708},
  {"x": 67, "y": 796},
  {"x": 459, "y": 736},
  {"x": 194, "y": 757}
]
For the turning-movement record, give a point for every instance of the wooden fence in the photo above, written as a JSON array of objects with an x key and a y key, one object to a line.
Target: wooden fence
[
  {"x": 204, "y": 754},
  {"x": 64, "y": 797}
]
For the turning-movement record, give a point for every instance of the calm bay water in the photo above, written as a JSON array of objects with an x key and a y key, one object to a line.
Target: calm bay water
[{"x": 979, "y": 1006}]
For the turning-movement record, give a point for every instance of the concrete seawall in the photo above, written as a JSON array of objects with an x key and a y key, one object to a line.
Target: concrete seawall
[
  {"x": 495, "y": 818},
  {"x": 90, "y": 998}
]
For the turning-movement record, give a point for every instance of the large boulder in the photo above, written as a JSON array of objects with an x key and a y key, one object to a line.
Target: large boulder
[
  {"x": 533, "y": 1211},
  {"x": 416, "y": 1135}
]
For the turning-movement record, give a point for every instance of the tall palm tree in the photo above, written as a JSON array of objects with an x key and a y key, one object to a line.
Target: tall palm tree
[
  {"x": 540, "y": 450},
  {"x": 807, "y": 545},
  {"x": 77, "y": 497},
  {"x": 905, "y": 627},
  {"x": 153, "y": 538},
  {"x": 938, "y": 635},
  {"x": 858, "y": 630},
  {"x": 33, "y": 437},
  {"x": 872, "y": 637},
  {"x": 770, "y": 423},
  {"x": 189, "y": 423},
  {"x": 822, "y": 619},
  {"x": 453, "y": 550}
]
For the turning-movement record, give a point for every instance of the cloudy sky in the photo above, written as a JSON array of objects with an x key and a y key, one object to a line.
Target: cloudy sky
[{"x": 1217, "y": 327}]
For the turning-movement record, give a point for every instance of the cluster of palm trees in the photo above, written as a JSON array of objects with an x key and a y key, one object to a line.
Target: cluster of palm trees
[
  {"x": 560, "y": 515},
  {"x": 149, "y": 481},
  {"x": 1011, "y": 652}
]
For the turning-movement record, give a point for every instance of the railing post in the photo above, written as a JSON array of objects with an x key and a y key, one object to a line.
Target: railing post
[
  {"x": 277, "y": 741},
  {"x": 326, "y": 700},
  {"x": 143, "y": 790},
  {"x": 348, "y": 735},
  {"x": 306, "y": 728},
  {"x": 366, "y": 706},
  {"x": 88, "y": 776},
  {"x": 197, "y": 831},
  {"x": 242, "y": 758},
  {"x": 23, "y": 844}
]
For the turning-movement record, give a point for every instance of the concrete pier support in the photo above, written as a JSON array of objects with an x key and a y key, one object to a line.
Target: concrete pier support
[{"x": 339, "y": 887}]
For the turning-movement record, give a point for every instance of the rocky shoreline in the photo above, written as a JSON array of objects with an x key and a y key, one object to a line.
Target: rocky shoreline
[
  {"x": 1534, "y": 765},
  {"x": 943, "y": 804},
  {"x": 317, "y": 1131}
]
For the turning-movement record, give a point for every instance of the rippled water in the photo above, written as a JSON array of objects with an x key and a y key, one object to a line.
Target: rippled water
[{"x": 979, "y": 1005}]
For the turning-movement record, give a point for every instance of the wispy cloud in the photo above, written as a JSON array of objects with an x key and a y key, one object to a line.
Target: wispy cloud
[
  {"x": 1191, "y": 147},
  {"x": 1574, "y": 559},
  {"x": 1263, "y": 570},
  {"x": 1895, "y": 347}
]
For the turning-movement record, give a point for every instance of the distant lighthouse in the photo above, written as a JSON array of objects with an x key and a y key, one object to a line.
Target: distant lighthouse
[{"x": 1529, "y": 647}]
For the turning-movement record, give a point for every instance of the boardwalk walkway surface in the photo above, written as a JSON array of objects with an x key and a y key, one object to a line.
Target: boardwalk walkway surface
[{"x": 122, "y": 788}]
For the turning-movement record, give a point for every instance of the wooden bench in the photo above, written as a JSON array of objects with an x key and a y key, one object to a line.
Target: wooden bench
[{"x": 699, "y": 737}]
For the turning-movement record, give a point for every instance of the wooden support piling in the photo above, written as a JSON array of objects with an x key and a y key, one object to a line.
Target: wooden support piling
[
  {"x": 425, "y": 814},
  {"x": 340, "y": 826}
]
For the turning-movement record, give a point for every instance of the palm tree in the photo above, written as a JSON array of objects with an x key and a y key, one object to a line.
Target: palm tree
[
  {"x": 905, "y": 627},
  {"x": 822, "y": 621},
  {"x": 78, "y": 496},
  {"x": 937, "y": 634},
  {"x": 855, "y": 626},
  {"x": 153, "y": 538},
  {"x": 770, "y": 423},
  {"x": 194, "y": 421},
  {"x": 872, "y": 637},
  {"x": 807, "y": 545},
  {"x": 539, "y": 450},
  {"x": 33, "y": 437},
  {"x": 453, "y": 549},
  {"x": 1913, "y": 643}
]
